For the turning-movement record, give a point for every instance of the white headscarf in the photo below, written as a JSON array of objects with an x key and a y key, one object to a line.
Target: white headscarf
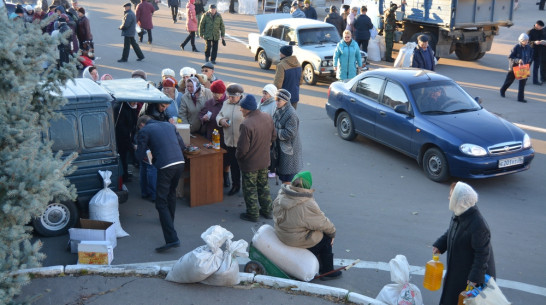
[{"x": 462, "y": 198}]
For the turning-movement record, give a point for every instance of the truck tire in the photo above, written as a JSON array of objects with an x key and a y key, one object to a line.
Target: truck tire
[
  {"x": 57, "y": 218},
  {"x": 468, "y": 51}
]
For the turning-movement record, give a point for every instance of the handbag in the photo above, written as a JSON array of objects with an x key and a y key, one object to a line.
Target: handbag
[
  {"x": 490, "y": 294},
  {"x": 522, "y": 71}
]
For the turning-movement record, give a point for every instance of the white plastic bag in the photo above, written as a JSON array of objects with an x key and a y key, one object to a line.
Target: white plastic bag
[
  {"x": 404, "y": 58},
  {"x": 373, "y": 32},
  {"x": 490, "y": 295},
  {"x": 374, "y": 53},
  {"x": 228, "y": 273},
  {"x": 297, "y": 262},
  {"x": 402, "y": 292},
  {"x": 382, "y": 46},
  {"x": 203, "y": 261},
  {"x": 104, "y": 205}
]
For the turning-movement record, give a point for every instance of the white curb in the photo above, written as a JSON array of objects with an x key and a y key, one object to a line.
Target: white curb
[{"x": 47, "y": 271}]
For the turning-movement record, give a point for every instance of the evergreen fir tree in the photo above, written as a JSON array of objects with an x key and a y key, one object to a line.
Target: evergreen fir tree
[{"x": 30, "y": 174}]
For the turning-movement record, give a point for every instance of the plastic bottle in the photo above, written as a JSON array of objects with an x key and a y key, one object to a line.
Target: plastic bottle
[
  {"x": 216, "y": 139},
  {"x": 433, "y": 274}
]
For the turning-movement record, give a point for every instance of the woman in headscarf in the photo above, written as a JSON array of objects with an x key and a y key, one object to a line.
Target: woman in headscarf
[
  {"x": 91, "y": 72},
  {"x": 468, "y": 245},
  {"x": 230, "y": 118},
  {"x": 521, "y": 54},
  {"x": 299, "y": 222},
  {"x": 192, "y": 102}
]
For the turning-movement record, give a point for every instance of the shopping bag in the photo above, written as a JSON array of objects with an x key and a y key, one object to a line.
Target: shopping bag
[
  {"x": 522, "y": 71},
  {"x": 489, "y": 295}
]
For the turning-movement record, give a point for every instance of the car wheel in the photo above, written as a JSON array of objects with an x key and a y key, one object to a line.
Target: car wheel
[
  {"x": 57, "y": 218},
  {"x": 255, "y": 267},
  {"x": 435, "y": 165},
  {"x": 263, "y": 61},
  {"x": 285, "y": 8},
  {"x": 309, "y": 75},
  {"x": 345, "y": 126}
]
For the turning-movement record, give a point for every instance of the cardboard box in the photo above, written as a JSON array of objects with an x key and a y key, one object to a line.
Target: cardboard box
[
  {"x": 184, "y": 131},
  {"x": 95, "y": 252},
  {"x": 92, "y": 230}
]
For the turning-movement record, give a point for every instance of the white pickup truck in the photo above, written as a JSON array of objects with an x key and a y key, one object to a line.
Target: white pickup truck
[{"x": 314, "y": 43}]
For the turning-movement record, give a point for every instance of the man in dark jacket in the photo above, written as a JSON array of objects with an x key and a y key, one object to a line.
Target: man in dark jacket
[
  {"x": 335, "y": 19},
  {"x": 144, "y": 13},
  {"x": 536, "y": 36},
  {"x": 255, "y": 138},
  {"x": 125, "y": 115},
  {"x": 166, "y": 146},
  {"x": 174, "y": 4},
  {"x": 423, "y": 55},
  {"x": 288, "y": 74},
  {"x": 309, "y": 11},
  {"x": 362, "y": 26},
  {"x": 128, "y": 32}
]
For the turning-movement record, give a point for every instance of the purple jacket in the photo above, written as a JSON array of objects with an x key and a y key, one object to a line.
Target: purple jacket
[{"x": 144, "y": 13}]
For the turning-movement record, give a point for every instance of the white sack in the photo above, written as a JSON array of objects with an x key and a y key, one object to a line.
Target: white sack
[
  {"x": 382, "y": 46},
  {"x": 490, "y": 295},
  {"x": 374, "y": 53},
  {"x": 104, "y": 205},
  {"x": 402, "y": 291},
  {"x": 297, "y": 262},
  {"x": 228, "y": 273},
  {"x": 405, "y": 56},
  {"x": 203, "y": 261}
]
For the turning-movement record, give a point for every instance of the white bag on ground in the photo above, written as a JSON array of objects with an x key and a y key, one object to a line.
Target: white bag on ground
[
  {"x": 405, "y": 56},
  {"x": 402, "y": 292},
  {"x": 203, "y": 261},
  {"x": 297, "y": 262},
  {"x": 382, "y": 46},
  {"x": 104, "y": 205},
  {"x": 228, "y": 273},
  {"x": 374, "y": 53}
]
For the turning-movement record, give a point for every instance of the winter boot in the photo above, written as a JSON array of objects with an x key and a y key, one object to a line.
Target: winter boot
[
  {"x": 327, "y": 263},
  {"x": 226, "y": 179}
]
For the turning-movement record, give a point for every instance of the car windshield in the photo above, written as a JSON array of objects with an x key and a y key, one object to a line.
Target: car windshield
[
  {"x": 442, "y": 98},
  {"x": 318, "y": 36}
]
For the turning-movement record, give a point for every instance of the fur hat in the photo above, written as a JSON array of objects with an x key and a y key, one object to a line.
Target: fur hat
[
  {"x": 218, "y": 86},
  {"x": 235, "y": 90},
  {"x": 286, "y": 50},
  {"x": 271, "y": 89},
  {"x": 169, "y": 82},
  {"x": 284, "y": 95},
  {"x": 167, "y": 72},
  {"x": 249, "y": 103},
  {"x": 187, "y": 71},
  {"x": 462, "y": 198},
  {"x": 139, "y": 73}
]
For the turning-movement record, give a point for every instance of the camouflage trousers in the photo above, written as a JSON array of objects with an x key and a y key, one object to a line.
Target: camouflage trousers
[
  {"x": 256, "y": 191},
  {"x": 389, "y": 37}
]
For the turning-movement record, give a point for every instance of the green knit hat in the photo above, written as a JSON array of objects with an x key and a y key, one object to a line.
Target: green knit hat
[{"x": 306, "y": 179}]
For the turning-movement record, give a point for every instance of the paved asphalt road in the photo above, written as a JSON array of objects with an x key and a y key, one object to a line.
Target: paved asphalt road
[{"x": 381, "y": 202}]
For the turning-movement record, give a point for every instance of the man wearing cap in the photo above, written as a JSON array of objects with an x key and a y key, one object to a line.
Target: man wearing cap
[
  {"x": 536, "y": 38},
  {"x": 212, "y": 29},
  {"x": 208, "y": 69},
  {"x": 423, "y": 55},
  {"x": 288, "y": 74},
  {"x": 128, "y": 32},
  {"x": 296, "y": 11},
  {"x": 390, "y": 26},
  {"x": 309, "y": 11},
  {"x": 256, "y": 134}
]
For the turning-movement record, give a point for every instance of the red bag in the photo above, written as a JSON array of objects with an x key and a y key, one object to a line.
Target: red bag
[{"x": 522, "y": 71}]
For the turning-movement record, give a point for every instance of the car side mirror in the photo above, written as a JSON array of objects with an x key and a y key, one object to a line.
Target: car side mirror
[
  {"x": 478, "y": 99},
  {"x": 402, "y": 108},
  {"x": 292, "y": 43}
]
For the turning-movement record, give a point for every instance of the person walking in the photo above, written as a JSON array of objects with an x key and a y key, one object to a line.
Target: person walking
[
  {"x": 84, "y": 29},
  {"x": 128, "y": 32},
  {"x": 173, "y": 4},
  {"x": 347, "y": 57},
  {"x": 230, "y": 118},
  {"x": 468, "y": 245},
  {"x": 536, "y": 38},
  {"x": 423, "y": 55},
  {"x": 166, "y": 146},
  {"x": 335, "y": 19},
  {"x": 299, "y": 222},
  {"x": 144, "y": 13},
  {"x": 362, "y": 26},
  {"x": 212, "y": 29},
  {"x": 288, "y": 74},
  {"x": 309, "y": 11},
  {"x": 256, "y": 135},
  {"x": 191, "y": 26},
  {"x": 521, "y": 54},
  {"x": 390, "y": 27},
  {"x": 288, "y": 139}
]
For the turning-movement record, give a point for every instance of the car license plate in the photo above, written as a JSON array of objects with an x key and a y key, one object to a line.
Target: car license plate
[{"x": 510, "y": 162}]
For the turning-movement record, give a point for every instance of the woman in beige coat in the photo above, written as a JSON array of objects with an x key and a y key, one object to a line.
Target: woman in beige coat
[
  {"x": 192, "y": 102},
  {"x": 299, "y": 222},
  {"x": 230, "y": 118}
]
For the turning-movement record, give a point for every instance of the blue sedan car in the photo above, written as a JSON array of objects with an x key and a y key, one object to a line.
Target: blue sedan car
[{"x": 429, "y": 117}]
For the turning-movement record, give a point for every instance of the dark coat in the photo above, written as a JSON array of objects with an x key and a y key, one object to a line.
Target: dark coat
[
  {"x": 173, "y": 3},
  {"x": 310, "y": 12},
  {"x": 362, "y": 26},
  {"x": 152, "y": 110},
  {"x": 336, "y": 20},
  {"x": 144, "y": 13},
  {"x": 127, "y": 27},
  {"x": 289, "y": 76},
  {"x": 469, "y": 253},
  {"x": 536, "y": 35},
  {"x": 418, "y": 60},
  {"x": 84, "y": 30},
  {"x": 162, "y": 139},
  {"x": 214, "y": 107},
  {"x": 520, "y": 52},
  {"x": 125, "y": 120},
  {"x": 256, "y": 134}
]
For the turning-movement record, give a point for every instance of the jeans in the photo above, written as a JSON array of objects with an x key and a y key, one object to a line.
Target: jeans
[
  {"x": 165, "y": 203},
  {"x": 148, "y": 180}
]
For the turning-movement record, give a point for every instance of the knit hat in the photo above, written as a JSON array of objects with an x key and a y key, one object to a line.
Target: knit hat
[
  {"x": 235, "y": 90},
  {"x": 19, "y": 10},
  {"x": 307, "y": 2},
  {"x": 304, "y": 179},
  {"x": 423, "y": 38},
  {"x": 249, "y": 103},
  {"x": 286, "y": 50},
  {"x": 139, "y": 73},
  {"x": 187, "y": 71},
  {"x": 523, "y": 37},
  {"x": 284, "y": 95},
  {"x": 29, "y": 7},
  {"x": 218, "y": 86},
  {"x": 127, "y": 4},
  {"x": 462, "y": 198},
  {"x": 271, "y": 89},
  {"x": 167, "y": 72},
  {"x": 169, "y": 82}
]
